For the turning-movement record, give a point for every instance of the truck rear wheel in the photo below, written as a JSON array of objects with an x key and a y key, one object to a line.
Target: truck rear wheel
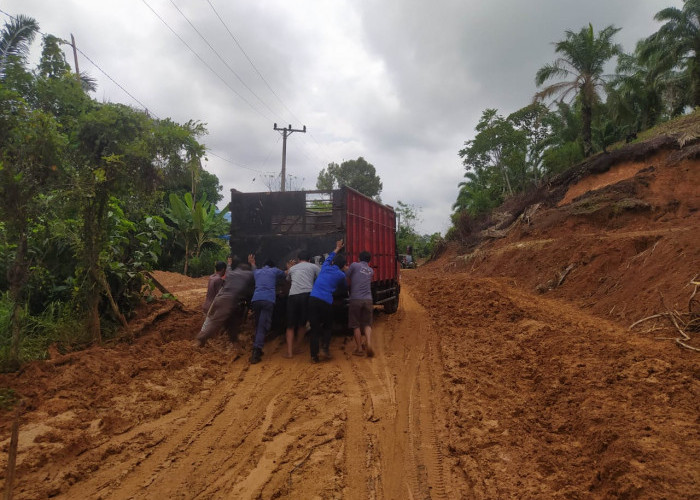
[{"x": 391, "y": 306}]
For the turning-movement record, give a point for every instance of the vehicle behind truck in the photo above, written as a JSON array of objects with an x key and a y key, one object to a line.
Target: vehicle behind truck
[{"x": 277, "y": 225}]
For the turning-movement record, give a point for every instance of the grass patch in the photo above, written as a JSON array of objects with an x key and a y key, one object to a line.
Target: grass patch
[{"x": 8, "y": 398}]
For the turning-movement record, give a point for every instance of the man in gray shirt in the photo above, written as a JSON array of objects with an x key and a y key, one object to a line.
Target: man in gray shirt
[
  {"x": 361, "y": 304},
  {"x": 225, "y": 309},
  {"x": 302, "y": 276}
]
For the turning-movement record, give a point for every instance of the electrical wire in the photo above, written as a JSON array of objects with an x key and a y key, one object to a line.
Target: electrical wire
[
  {"x": 221, "y": 58},
  {"x": 205, "y": 63},
  {"x": 96, "y": 66},
  {"x": 235, "y": 40}
]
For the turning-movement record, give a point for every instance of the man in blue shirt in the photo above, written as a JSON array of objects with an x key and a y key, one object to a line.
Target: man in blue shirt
[
  {"x": 263, "y": 302},
  {"x": 330, "y": 278}
]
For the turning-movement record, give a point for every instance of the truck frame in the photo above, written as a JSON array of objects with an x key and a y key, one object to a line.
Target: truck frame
[{"x": 277, "y": 225}]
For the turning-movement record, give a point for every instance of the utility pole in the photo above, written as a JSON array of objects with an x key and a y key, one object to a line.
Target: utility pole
[
  {"x": 286, "y": 132},
  {"x": 75, "y": 57}
]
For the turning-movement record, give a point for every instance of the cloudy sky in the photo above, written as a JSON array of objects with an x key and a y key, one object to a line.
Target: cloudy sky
[{"x": 401, "y": 83}]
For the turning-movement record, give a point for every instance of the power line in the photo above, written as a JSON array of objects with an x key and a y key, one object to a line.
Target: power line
[
  {"x": 113, "y": 80},
  {"x": 235, "y": 40},
  {"x": 221, "y": 58},
  {"x": 146, "y": 108},
  {"x": 204, "y": 62},
  {"x": 209, "y": 151},
  {"x": 94, "y": 64}
]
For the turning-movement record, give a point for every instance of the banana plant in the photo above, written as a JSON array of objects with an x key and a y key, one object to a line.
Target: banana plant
[{"x": 197, "y": 223}]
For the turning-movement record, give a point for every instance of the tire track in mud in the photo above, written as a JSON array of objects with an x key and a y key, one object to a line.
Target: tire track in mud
[
  {"x": 352, "y": 428},
  {"x": 140, "y": 472},
  {"x": 392, "y": 408}
]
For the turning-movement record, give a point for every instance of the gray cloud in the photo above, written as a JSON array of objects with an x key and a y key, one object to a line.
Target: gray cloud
[{"x": 400, "y": 82}]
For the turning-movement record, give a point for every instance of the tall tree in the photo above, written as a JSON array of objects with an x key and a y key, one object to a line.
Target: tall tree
[
  {"x": 497, "y": 147},
  {"x": 53, "y": 62},
  {"x": 583, "y": 56},
  {"x": 357, "y": 174},
  {"x": 641, "y": 91},
  {"x": 15, "y": 39},
  {"x": 112, "y": 161},
  {"x": 30, "y": 162},
  {"x": 677, "y": 44},
  {"x": 535, "y": 123}
]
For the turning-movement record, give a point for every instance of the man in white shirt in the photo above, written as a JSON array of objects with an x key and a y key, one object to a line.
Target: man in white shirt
[{"x": 302, "y": 276}]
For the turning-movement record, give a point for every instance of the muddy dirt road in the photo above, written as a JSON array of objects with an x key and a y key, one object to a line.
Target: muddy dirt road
[
  {"x": 287, "y": 427},
  {"x": 350, "y": 427},
  {"x": 478, "y": 390}
]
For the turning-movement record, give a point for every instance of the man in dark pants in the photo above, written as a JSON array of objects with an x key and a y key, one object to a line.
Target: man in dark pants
[
  {"x": 330, "y": 278},
  {"x": 239, "y": 283},
  {"x": 302, "y": 276},
  {"x": 361, "y": 306},
  {"x": 263, "y": 302}
]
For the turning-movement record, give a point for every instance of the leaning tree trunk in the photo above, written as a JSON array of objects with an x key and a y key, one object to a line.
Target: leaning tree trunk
[
  {"x": 17, "y": 276},
  {"x": 91, "y": 256}
]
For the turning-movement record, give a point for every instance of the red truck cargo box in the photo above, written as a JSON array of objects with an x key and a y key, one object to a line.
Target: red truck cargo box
[{"x": 277, "y": 225}]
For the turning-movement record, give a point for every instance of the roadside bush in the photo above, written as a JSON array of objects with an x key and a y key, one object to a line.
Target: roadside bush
[
  {"x": 57, "y": 324},
  {"x": 204, "y": 264}
]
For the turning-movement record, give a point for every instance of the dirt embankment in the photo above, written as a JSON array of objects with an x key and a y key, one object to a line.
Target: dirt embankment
[{"x": 622, "y": 244}]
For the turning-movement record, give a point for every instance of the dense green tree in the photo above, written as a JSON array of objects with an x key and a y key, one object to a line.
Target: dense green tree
[
  {"x": 15, "y": 40},
  {"x": 30, "y": 164},
  {"x": 645, "y": 90},
  {"x": 497, "y": 147},
  {"x": 582, "y": 60},
  {"x": 535, "y": 123},
  {"x": 53, "y": 61},
  {"x": 112, "y": 160},
  {"x": 178, "y": 155},
  {"x": 677, "y": 45},
  {"x": 565, "y": 144},
  {"x": 356, "y": 174},
  {"x": 406, "y": 234}
]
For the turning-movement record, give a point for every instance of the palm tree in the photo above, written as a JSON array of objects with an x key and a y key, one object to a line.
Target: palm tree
[
  {"x": 583, "y": 57},
  {"x": 677, "y": 43},
  {"x": 643, "y": 92},
  {"x": 15, "y": 39}
]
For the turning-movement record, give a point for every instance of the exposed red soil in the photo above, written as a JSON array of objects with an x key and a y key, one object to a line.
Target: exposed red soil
[{"x": 503, "y": 375}]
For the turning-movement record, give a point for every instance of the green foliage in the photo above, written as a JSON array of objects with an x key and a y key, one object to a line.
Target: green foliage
[
  {"x": 82, "y": 190},
  {"x": 508, "y": 156},
  {"x": 581, "y": 65},
  {"x": 676, "y": 45},
  {"x": 196, "y": 224},
  {"x": 8, "y": 398},
  {"x": 203, "y": 264},
  {"x": 15, "y": 40},
  {"x": 53, "y": 62},
  {"x": 356, "y": 174},
  {"x": 406, "y": 236},
  {"x": 56, "y": 324}
]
